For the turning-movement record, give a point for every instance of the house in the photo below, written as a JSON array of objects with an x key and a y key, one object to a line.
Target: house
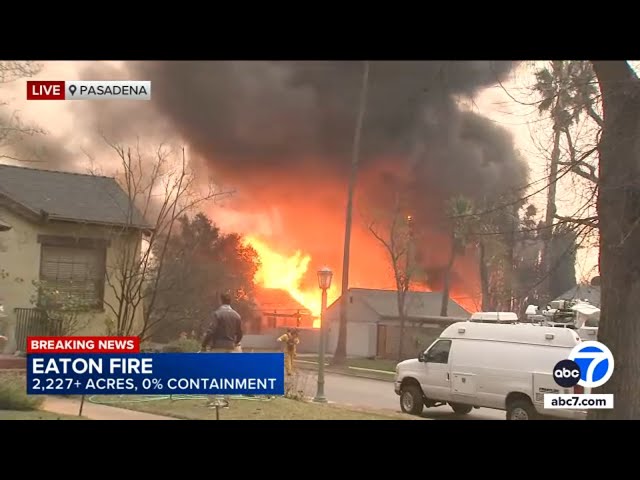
[
  {"x": 583, "y": 291},
  {"x": 68, "y": 232},
  {"x": 276, "y": 308},
  {"x": 374, "y": 326}
]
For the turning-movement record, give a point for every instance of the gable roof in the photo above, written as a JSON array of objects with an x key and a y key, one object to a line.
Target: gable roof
[
  {"x": 419, "y": 304},
  {"x": 70, "y": 197},
  {"x": 583, "y": 291},
  {"x": 276, "y": 299}
]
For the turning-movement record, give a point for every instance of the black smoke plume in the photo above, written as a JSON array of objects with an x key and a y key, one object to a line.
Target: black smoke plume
[
  {"x": 271, "y": 118},
  {"x": 268, "y": 125}
]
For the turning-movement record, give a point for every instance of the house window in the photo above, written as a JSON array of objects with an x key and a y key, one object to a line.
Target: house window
[{"x": 76, "y": 273}]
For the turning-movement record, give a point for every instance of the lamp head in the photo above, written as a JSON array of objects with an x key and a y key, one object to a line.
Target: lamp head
[{"x": 324, "y": 278}]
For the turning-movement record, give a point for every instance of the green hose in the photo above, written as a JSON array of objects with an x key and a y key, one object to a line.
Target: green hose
[{"x": 153, "y": 398}]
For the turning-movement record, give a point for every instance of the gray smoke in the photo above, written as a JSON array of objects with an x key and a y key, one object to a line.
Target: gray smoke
[{"x": 30, "y": 145}]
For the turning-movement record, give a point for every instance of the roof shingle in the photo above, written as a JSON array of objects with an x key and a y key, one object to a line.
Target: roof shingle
[{"x": 69, "y": 196}]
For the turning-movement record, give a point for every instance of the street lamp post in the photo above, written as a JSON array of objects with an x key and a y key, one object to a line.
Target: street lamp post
[{"x": 324, "y": 282}]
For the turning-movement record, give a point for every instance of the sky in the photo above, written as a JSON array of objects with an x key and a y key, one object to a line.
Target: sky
[{"x": 505, "y": 104}]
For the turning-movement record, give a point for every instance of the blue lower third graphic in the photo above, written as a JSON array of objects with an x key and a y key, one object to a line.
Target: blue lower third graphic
[{"x": 156, "y": 373}]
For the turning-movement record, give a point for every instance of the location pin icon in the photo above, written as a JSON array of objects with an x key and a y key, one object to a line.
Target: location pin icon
[{"x": 72, "y": 89}]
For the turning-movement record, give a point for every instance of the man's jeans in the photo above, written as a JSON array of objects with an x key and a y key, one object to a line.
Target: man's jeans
[{"x": 217, "y": 399}]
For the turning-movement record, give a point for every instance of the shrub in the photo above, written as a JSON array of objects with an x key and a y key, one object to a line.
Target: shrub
[
  {"x": 13, "y": 394},
  {"x": 295, "y": 385},
  {"x": 184, "y": 345}
]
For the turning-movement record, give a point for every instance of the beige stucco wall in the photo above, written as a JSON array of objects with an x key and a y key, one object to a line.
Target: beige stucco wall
[{"x": 20, "y": 259}]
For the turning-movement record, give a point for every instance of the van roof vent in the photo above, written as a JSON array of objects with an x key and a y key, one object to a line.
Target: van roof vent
[
  {"x": 549, "y": 336},
  {"x": 461, "y": 330}
]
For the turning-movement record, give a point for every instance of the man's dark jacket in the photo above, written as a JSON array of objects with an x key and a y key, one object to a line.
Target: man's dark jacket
[{"x": 225, "y": 329}]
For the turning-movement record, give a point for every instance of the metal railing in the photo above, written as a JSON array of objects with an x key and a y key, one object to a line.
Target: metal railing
[{"x": 33, "y": 322}]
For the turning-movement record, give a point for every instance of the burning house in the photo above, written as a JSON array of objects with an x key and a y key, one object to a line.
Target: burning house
[{"x": 276, "y": 309}]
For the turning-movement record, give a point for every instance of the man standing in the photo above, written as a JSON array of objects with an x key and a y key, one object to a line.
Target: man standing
[{"x": 224, "y": 333}]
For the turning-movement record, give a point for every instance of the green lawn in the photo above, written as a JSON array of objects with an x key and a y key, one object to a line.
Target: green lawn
[
  {"x": 277, "y": 408},
  {"x": 382, "y": 365},
  {"x": 35, "y": 415}
]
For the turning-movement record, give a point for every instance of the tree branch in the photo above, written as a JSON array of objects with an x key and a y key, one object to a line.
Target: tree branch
[{"x": 588, "y": 222}]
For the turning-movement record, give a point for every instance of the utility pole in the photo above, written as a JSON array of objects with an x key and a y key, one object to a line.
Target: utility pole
[{"x": 341, "y": 347}]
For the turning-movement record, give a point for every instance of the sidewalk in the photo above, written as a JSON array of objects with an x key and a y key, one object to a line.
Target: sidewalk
[
  {"x": 347, "y": 370},
  {"x": 93, "y": 411}
]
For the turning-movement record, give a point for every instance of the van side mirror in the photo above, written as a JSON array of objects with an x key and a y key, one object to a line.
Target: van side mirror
[{"x": 421, "y": 357}]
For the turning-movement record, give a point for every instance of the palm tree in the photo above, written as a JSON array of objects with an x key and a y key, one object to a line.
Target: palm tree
[
  {"x": 460, "y": 210},
  {"x": 567, "y": 88}
]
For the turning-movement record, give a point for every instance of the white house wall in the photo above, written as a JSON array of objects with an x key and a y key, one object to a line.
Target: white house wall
[{"x": 361, "y": 339}]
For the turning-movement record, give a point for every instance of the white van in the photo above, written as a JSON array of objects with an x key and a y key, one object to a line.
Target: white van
[
  {"x": 494, "y": 317},
  {"x": 473, "y": 365}
]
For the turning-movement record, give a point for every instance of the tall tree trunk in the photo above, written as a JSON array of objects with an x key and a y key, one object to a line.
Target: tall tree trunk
[
  {"x": 401, "y": 317},
  {"x": 619, "y": 220},
  {"x": 550, "y": 212},
  {"x": 484, "y": 278},
  {"x": 340, "y": 355},
  {"x": 444, "y": 307},
  {"x": 510, "y": 267}
]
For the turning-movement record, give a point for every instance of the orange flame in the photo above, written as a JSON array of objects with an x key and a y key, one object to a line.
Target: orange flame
[{"x": 287, "y": 272}]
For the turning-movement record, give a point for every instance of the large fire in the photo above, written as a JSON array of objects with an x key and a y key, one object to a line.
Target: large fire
[
  {"x": 280, "y": 271},
  {"x": 287, "y": 272},
  {"x": 296, "y": 237}
]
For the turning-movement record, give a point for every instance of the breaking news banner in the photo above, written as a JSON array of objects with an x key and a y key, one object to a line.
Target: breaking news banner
[
  {"x": 156, "y": 374},
  {"x": 88, "y": 90},
  {"x": 112, "y": 366}
]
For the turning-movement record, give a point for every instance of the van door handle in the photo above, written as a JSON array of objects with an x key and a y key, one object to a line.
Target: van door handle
[{"x": 447, "y": 375}]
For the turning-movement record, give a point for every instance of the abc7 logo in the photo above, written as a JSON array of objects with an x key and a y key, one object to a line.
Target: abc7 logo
[{"x": 590, "y": 365}]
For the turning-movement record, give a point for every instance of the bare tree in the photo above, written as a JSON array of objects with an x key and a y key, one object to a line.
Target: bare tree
[
  {"x": 394, "y": 230},
  {"x": 12, "y": 129},
  {"x": 160, "y": 189}
]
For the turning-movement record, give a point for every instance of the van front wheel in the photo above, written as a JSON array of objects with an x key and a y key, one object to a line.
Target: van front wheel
[
  {"x": 461, "y": 409},
  {"x": 521, "y": 410},
  {"x": 411, "y": 399}
]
